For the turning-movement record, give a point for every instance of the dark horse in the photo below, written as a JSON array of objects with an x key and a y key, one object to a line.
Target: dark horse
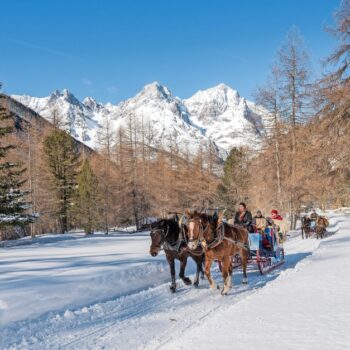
[
  {"x": 166, "y": 233},
  {"x": 306, "y": 227},
  {"x": 221, "y": 242}
]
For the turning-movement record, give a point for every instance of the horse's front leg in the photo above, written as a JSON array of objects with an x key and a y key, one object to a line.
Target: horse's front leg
[
  {"x": 199, "y": 261},
  {"x": 226, "y": 274},
  {"x": 202, "y": 265},
  {"x": 171, "y": 262},
  {"x": 208, "y": 262},
  {"x": 183, "y": 263}
]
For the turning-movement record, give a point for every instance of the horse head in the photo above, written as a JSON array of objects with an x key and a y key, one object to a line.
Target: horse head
[
  {"x": 159, "y": 232},
  {"x": 199, "y": 227}
]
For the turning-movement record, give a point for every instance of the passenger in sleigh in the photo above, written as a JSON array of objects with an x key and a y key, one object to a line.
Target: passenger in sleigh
[
  {"x": 268, "y": 236},
  {"x": 259, "y": 222},
  {"x": 281, "y": 225}
]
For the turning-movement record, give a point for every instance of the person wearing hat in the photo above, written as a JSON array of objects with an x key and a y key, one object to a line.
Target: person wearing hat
[
  {"x": 280, "y": 224},
  {"x": 259, "y": 221},
  {"x": 275, "y": 215}
]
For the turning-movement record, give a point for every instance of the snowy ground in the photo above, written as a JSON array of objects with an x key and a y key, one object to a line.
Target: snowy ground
[{"x": 74, "y": 292}]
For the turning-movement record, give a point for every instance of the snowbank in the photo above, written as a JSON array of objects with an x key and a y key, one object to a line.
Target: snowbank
[{"x": 307, "y": 307}]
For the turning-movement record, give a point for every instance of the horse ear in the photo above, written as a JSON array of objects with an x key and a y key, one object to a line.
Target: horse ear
[
  {"x": 221, "y": 216},
  {"x": 188, "y": 212}
]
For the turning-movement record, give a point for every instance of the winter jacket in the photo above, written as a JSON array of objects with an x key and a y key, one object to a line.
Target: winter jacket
[
  {"x": 259, "y": 222},
  {"x": 277, "y": 217},
  {"x": 246, "y": 220}
]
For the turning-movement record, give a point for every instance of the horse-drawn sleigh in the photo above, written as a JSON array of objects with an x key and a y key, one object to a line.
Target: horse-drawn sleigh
[
  {"x": 269, "y": 258},
  {"x": 206, "y": 238},
  {"x": 314, "y": 227}
]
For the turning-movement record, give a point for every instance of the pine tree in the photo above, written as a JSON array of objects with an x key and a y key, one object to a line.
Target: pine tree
[
  {"x": 13, "y": 206},
  {"x": 62, "y": 155},
  {"x": 87, "y": 198},
  {"x": 234, "y": 186}
]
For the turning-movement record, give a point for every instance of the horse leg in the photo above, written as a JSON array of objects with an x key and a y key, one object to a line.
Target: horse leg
[
  {"x": 202, "y": 265},
  {"x": 226, "y": 262},
  {"x": 230, "y": 272},
  {"x": 244, "y": 257},
  {"x": 198, "y": 260},
  {"x": 208, "y": 262},
  {"x": 171, "y": 262},
  {"x": 183, "y": 263}
]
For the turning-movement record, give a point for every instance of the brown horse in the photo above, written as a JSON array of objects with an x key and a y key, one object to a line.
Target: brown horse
[
  {"x": 321, "y": 224},
  {"x": 221, "y": 242}
]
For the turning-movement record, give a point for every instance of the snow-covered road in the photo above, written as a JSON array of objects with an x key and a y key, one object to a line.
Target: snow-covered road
[{"x": 108, "y": 293}]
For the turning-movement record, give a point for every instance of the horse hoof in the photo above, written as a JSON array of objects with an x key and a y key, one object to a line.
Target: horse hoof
[
  {"x": 173, "y": 289},
  {"x": 223, "y": 292},
  {"x": 244, "y": 282},
  {"x": 196, "y": 284},
  {"x": 218, "y": 287},
  {"x": 187, "y": 281}
]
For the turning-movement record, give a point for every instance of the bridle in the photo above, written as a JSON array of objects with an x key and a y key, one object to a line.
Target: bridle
[
  {"x": 163, "y": 235},
  {"x": 202, "y": 230}
]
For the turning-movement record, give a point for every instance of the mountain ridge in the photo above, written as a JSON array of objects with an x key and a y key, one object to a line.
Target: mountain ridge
[{"x": 216, "y": 116}]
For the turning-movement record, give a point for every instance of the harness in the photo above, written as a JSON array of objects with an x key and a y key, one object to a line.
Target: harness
[
  {"x": 175, "y": 247},
  {"x": 220, "y": 237}
]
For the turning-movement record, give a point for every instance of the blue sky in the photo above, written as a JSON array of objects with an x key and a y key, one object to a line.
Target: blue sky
[{"x": 110, "y": 49}]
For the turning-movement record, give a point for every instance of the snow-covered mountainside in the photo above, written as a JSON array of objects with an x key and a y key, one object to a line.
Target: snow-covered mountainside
[
  {"x": 81, "y": 119},
  {"x": 217, "y": 116},
  {"x": 228, "y": 119}
]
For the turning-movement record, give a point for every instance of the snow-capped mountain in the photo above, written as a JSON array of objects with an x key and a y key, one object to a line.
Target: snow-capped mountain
[
  {"x": 81, "y": 119},
  {"x": 217, "y": 116},
  {"x": 228, "y": 119},
  {"x": 158, "y": 112}
]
